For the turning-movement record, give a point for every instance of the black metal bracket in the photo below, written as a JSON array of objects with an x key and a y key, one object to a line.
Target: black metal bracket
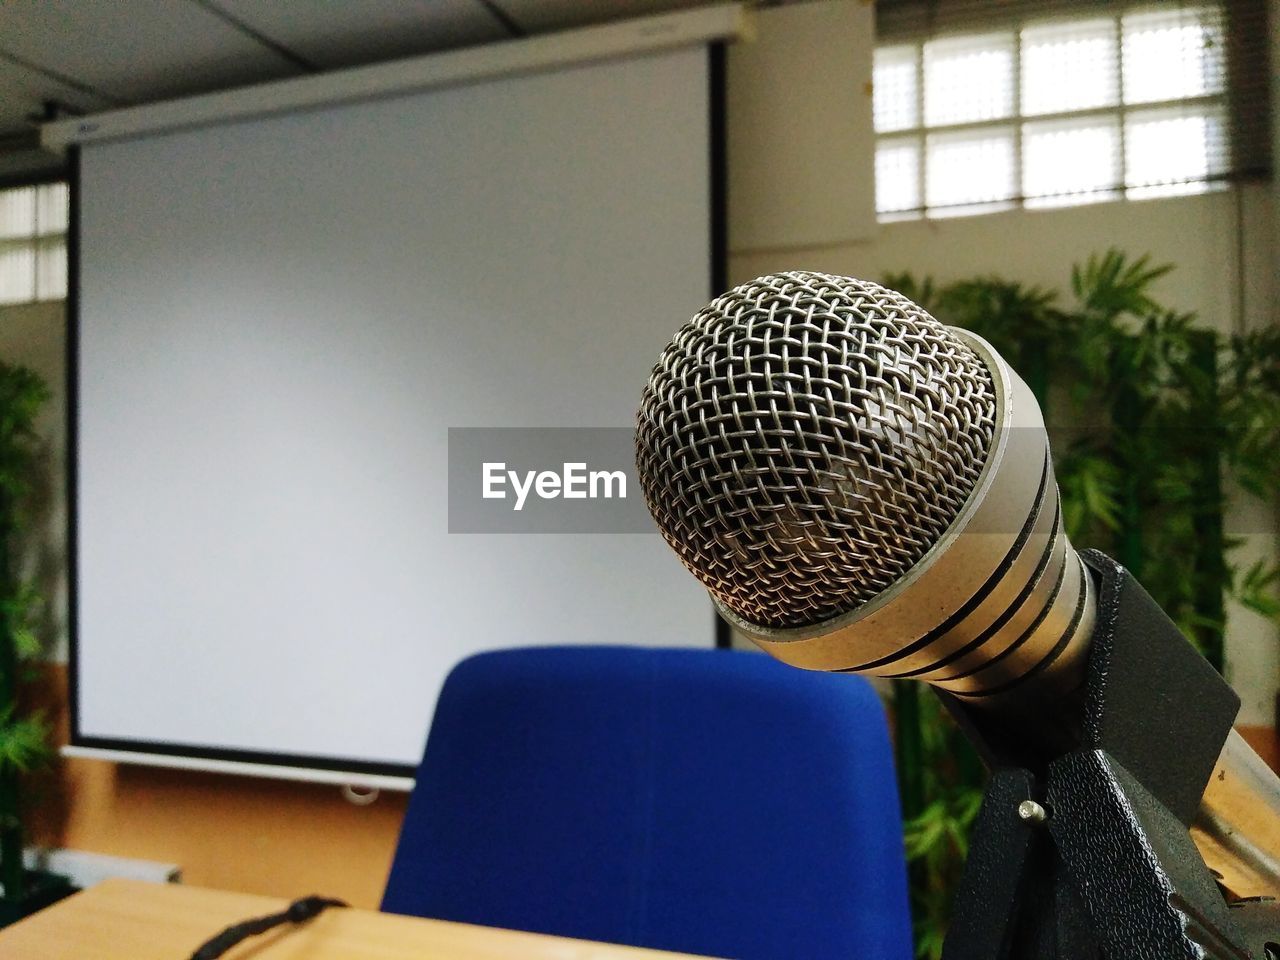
[{"x": 1112, "y": 873}]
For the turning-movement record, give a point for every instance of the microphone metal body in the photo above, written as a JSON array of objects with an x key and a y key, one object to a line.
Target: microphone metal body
[
  {"x": 863, "y": 489},
  {"x": 1000, "y": 598}
]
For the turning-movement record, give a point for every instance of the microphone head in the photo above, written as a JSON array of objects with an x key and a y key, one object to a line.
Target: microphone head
[
  {"x": 863, "y": 489},
  {"x": 806, "y": 439}
]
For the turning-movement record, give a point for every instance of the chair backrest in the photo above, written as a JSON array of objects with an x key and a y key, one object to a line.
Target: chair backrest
[{"x": 702, "y": 801}]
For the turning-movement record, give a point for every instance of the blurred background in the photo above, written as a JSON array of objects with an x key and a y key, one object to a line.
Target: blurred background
[{"x": 1089, "y": 185}]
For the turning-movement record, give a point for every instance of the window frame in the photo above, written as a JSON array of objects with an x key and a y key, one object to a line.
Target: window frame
[
  {"x": 39, "y": 240},
  {"x": 1119, "y": 112}
]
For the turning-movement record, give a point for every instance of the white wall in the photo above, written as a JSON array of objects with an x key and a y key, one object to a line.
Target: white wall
[
  {"x": 1225, "y": 245},
  {"x": 766, "y": 119},
  {"x": 1196, "y": 233}
]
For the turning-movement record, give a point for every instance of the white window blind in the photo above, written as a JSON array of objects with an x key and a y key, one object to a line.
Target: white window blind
[
  {"x": 33, "y": 243},
  {"x": 983, "y": 105}
]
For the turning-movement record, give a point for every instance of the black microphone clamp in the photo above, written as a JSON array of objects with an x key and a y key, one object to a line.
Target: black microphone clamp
[{"x": 1088, "y": 855}]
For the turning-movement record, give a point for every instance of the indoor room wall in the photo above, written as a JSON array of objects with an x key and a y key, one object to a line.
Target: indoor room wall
[
  {"x": 1225, "y": 246},
  {"x": 289, "y": 839},
  {"x": 1222, "y": 247}
]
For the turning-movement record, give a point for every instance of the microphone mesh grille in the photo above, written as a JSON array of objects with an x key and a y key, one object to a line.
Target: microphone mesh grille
[{"x": 805, "y": 439}]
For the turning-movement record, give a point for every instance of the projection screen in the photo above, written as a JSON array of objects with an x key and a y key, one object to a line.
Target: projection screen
[{"x": 278, "y": 319}]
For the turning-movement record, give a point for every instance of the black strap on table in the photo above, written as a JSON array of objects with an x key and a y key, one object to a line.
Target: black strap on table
[{"x": 300, "y": 911}]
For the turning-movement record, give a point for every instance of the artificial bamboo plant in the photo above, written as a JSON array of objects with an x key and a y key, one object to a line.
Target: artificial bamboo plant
[
  {"x": 24, "y": 739},
  {"x": 1153, "y": 417}
]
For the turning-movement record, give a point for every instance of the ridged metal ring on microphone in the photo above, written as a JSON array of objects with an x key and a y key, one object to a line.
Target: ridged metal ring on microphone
[{"x": 861, "y": 488}]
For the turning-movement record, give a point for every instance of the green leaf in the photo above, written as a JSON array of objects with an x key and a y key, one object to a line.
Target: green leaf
[
  {"x": 24, "y": 742},
  {"x": 1154, "y": 416},
  {"x": 26, "y": 643}
]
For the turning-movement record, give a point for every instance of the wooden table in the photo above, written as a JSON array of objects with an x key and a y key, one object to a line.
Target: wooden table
[{"x": 132, "y": 920}]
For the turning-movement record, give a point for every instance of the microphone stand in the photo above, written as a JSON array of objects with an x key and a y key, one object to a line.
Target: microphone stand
[{"x": 1087, "y": 855}]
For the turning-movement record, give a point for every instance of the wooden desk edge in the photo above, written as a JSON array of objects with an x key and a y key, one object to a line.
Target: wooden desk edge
[{"x": 177, "y": 917}]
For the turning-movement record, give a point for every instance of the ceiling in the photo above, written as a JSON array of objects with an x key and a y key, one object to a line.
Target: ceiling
[{"x": 87, "y": 56}]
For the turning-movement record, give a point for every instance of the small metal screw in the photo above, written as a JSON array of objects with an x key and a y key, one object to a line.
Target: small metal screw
[{"x": 1031, "y": 812}]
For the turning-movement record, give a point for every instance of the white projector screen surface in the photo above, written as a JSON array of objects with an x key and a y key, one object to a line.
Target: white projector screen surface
[{"x": 279, "y": 321}]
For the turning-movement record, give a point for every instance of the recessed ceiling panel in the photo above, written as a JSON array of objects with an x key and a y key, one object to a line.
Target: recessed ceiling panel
[
  {"x": 137, "y": 49},
  {"x": 332, "y": 34},
  {"x": 538, "y": 15}
]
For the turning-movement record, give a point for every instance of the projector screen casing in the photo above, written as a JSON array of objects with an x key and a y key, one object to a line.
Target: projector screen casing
[{"x": 94, "y": 729}]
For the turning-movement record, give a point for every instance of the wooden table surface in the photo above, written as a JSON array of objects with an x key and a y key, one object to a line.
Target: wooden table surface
[{"x": 132, "y": 920}]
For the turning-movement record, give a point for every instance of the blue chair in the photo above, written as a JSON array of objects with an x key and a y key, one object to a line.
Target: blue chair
[{"x": 703, "y": 801}]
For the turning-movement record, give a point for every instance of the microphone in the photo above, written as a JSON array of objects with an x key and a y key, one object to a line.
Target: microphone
[{"x": 863, "y": 489}]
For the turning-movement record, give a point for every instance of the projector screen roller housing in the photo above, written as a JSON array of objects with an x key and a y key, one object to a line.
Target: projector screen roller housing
[{"x": 277, "y": 321}]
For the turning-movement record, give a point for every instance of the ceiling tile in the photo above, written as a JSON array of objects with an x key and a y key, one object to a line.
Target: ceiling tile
[
  {"x": 137, "y": 49},
  {"x": 539, "y": 15},
  {"x": 331, "y": 34},
  {"x": 23, "y": 92}
]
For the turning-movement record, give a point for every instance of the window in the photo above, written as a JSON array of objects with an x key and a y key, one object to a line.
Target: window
[
  {"x": 33, "y": 243},
  {"x": 1052, "y": 110}
]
